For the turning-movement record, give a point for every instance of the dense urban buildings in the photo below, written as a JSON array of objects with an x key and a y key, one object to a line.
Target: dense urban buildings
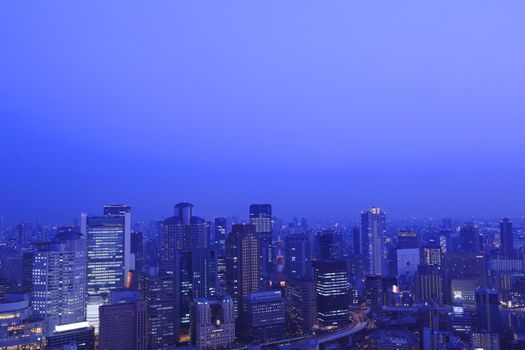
[{"x": 187, "y": 282}]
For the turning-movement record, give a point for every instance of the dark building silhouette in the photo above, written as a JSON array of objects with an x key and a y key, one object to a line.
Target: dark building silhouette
[
  {"x": 329, "y": 245},
  {"x": 469, "y": 239},
  {"x": 464, "y": 273},
  {"x": 243, "y": 267},
  {"x": 261, "y": 218},
  {"x": 300, "y": 306},
  {"x": 188, "y": 257},
  {"x": 298, "y": 262},
  {"x": 373, "y": 226},
  {"x": 159, "y": 294},
  {"x": 429, "y": 284},
  {"x": 123, "y": 326},
  {"x": 332, "y": 291},
  {"x": 507, "y": 239},
  {"x": 487, "y": 310},
  {"x": 265, "y": 319}
]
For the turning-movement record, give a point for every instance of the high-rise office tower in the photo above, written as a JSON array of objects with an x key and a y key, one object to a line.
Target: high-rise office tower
[
  {"x": 108, "y": 241},
  {"x": 469, "y": 239},
  {"x": 431, "y": 256},
  {"x": 373, "y": 226},
  {"x": 265, "y": 316},
  {"x": 220, "y": 229},
  {"x": 137, "y": 251},
  {"x": 188, "y": 257},
  {"x": 329, "y": 245},
  {"x": 59, "y": 279},
  {"x": 373, "y": 290},
  {"x": 487, "y": 310},
  {"x": 507, "y": 238},
  {"x": 298, "y": 259},
  {"x": 243, "y": 265},
  {"x": 159, "y": 294},
  {"x": 109, "y": 258},
  {"x": 123, "y": 325},
  {"x": 28, "y": 260},
  {"x": 408, "y": 260},
  {"x": 464, "y": 272},
  {"x": 183, "y": 231},
  {"x": 261, "y": 218},
  {"x": 332, "y": 292},
  {"x": 300, "y": 306},
  {"x": 407, "y": 240},
  {"x": 22, "y": 234},
  {"x": 213, "y": 323},
  {"x": 429, "y": 284},
  {"x": 221, "y": 233}
]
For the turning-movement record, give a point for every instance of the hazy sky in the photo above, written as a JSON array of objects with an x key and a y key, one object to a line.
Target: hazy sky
[{"x": 322, "y": 108}]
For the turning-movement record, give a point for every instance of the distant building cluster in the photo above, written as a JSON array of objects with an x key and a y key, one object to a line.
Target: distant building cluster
[{"x": 108, "y": 282}]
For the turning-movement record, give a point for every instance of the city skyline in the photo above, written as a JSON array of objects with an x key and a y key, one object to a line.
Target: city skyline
[{"x": 262, "y": 175}]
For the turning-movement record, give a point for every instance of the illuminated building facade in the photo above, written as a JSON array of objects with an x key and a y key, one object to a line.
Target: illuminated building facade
[
  {"x": 243, "y": 265},
  {"x": 18, "y": 328},
  {"x": 332, "y": 291},
  {"x": 213, "y": 323},
  {"x": 373, "y": 226},
  {"x": 265, "y": 316},
  {"x": 59, "y": 279},
  {"x": 261, "y": 218}
]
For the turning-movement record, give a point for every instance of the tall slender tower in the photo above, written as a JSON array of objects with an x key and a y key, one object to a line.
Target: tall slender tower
[
  {"x": 109, "y": 258},
  {"x": 243, "y": 265},
  {"x": 373, "y": 226},
  {"x": 261, "y": 218},
  {"x": 189, "y": 259},
  {"x": 507, "y": 238}
]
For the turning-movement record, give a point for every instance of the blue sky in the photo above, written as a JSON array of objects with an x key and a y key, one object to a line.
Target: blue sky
[{"x": 321, "y": 108}]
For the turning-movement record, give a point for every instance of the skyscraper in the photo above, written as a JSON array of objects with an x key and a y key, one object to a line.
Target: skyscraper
[
  {"x": 189, "y": 259},
  {"x": 59, "y": 279},
  {"x": 373, "y": 224},
  {"x": 329, "y": 245},
  {"x": 213, "y": 323},
  {"x": 221, "y": 233},
  {"x": 429, "y": 284},
  {"x": 407, "y": 262},
  {"x": 265, "y": 316},
  {"x": 469, "y": 239},
  {"x": 332, "y": 292},
  {"x": 108, "y": 243},
  {"x": 243, "y": 265},
  {"x": 507, "y": 238},
  {"x": 123, "y": 326},
  {"x": 298, "y": 256},
  {"x": 300, "y": 306},
  {"x": 109, "y": 259},
  {"x": 261, "y": 218},
  {"x": 487, "y": 310},
  {"x": 137, "y": 251},
  {"x": 465, "y": 272},
  {"x": 159, "y": 294}
]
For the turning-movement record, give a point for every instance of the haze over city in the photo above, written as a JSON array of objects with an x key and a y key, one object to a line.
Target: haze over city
[{"x": 321, "y": 109}]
